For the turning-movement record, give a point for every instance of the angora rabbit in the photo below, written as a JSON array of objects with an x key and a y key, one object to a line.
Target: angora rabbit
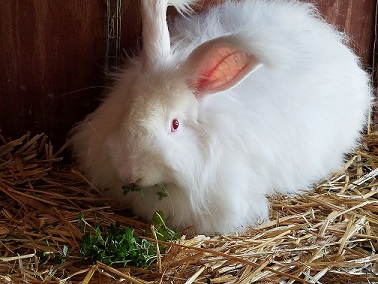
[{"x": 243, "y": 101}]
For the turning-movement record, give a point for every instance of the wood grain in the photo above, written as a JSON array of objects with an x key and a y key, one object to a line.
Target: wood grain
[
  {"x": 356, "y": 19},
  {"x": 52, "y": 56},
  {"x": 52, "y": 52}
]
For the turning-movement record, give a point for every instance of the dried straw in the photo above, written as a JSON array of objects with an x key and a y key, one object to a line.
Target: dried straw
[{"x": 328, "y": 235}]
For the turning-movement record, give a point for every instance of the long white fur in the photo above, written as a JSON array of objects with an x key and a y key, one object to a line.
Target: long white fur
[
  {"x": 156, "y": 40},
  {"x": 182, "y": 6},
  {"x": 157, "y": 47},
  {"x": 283, "y": 128}
]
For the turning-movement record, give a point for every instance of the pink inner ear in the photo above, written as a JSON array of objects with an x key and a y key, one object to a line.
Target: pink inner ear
[{"x": 223, "y": 69}]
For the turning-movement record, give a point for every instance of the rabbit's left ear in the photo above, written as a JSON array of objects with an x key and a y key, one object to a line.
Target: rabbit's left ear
[
  {"x": 218, "y": 65},
  {"x": 156, "y": 41}
]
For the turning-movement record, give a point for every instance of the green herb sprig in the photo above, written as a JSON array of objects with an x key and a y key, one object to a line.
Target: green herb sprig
[
  {"x": 119, "y": 246},
  {"x": 161, "y": 193}
]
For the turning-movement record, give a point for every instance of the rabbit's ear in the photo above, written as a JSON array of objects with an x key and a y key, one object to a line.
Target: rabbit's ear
[
  {"x": 218, "y": 65},
  {"x": 156, "y": 41}
]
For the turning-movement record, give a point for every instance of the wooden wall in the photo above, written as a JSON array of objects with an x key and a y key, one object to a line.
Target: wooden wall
[
  {"x": 356, "y": 19},
  {"x": 49, "y": 52},
  {"x": 52, "y": 56}
]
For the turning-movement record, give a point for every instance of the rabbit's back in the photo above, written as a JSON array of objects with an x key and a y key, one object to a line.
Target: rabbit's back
[
  {"x": 304, "y": 108},
  {"x": 276, "y": 25}
]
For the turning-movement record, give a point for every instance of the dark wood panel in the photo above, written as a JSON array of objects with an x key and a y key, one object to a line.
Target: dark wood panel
[
  {"x": 51, "y": 52},
  {"x": 375, "y": 51},
  {"x": 53, "y": 55},
  {"x": 131, "y": 27},
  {"x": 356, "y": 19}
]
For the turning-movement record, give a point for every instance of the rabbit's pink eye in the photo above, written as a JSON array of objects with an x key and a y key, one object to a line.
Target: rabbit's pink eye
[{"x": 175, "y": 125}]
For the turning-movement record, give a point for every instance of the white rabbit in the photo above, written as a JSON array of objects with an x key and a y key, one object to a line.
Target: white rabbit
[{"x": 247, "y": 100}]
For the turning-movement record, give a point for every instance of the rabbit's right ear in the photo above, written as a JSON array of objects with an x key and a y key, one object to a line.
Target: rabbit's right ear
[{"x": 218, "y": 65}]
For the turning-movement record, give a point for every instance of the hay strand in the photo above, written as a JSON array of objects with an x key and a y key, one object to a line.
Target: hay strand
[{"x": 327, "y": 235}]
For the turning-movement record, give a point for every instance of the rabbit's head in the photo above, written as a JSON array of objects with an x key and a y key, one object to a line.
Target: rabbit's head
[
  {"x": 155, "y": 132},
  {"x": 150, "y": 129},
  {"x": 161, "y": 133}
]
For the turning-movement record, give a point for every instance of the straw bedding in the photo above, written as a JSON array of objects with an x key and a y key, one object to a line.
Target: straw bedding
[{"x": 328, "y": 235}]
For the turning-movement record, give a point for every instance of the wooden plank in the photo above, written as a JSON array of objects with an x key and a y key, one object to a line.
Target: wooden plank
[
  {"x": 53, "y": 56},
  {"x": 50, "y": 51},
  {"x": 356, "y": 19}
]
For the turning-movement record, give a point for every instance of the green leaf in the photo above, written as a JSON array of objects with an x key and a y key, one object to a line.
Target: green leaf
[
  {"x": 163, "y": 233},
  {"x": 162, "y": 193},
  {"x": 81, "y": 217},
  {"x": 158, "y": 219},
  {"x": 132, "y": 188}
]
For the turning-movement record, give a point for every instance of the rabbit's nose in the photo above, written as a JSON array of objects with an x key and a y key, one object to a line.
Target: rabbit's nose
[
  {"x": 129, "y": 172},
  {"x": 130, "y": 180}
]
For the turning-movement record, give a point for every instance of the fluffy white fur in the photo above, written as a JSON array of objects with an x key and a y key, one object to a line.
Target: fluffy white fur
[
  {"x": 182, "y": 6},
  {"x": 284, "y": 127}
]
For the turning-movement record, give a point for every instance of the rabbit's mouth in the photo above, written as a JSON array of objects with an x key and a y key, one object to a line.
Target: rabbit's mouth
[{"x": 160, "y": 190}]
